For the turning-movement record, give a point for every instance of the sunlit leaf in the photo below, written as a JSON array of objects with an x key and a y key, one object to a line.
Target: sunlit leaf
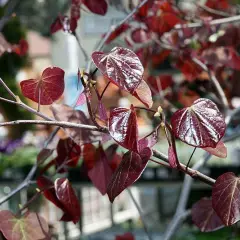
[
  {"x": 47, "y": 89},
  {"x": 220, "y": 150},
  {"x": 121, "y": 66},
  {"x": 128, "y": 172},
  {"x": 201, "y": 125},
  {"x": 123, "y": 127},
  {"x": 225, "y": 198},
  {"x": 67, "y": 196},
  {"x": 29, "y": 226},
  {"x": 96, "y": 6},
  {"x": 101, "y": 172},
  {"x": 204, "y": 216}
]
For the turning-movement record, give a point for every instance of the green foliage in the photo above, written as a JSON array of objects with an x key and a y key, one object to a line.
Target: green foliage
[{"x": 10, "y": 63}]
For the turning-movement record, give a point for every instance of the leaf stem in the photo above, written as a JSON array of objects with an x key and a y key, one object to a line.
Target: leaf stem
[{"x": 189, "y": 160}]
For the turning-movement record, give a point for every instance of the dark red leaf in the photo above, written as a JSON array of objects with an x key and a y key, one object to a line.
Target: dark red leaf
[
  {"x": 75, "y": 9},
  {"x": 111, "y": 151},
  {"x": 140, "y": 35},
  {"x": 102, "y": 111},
  {"x": 65, "y": 113},
  {"x": 159, "y": 58},
  {"x": 121, "y": 66},
  {"x": 172, "y": 158},
  {"x": 66, "y": 195},
  {"x": 225, "y": 198},
  {"x": 160, "y": 83},
  {"x": 117, "y": 32},
  {"x": 149, "y": 141},
  {"x": 29, "y": 226},
  {"x": 128, "y": 172},
  {"x": 56, "y": 25},
  {"x": 201, "y": 125},
  {"x": 204, "y": 216},
  {"x": 218, "y": 4},
  {"x": 47, "y": 89},
  {"x": 101, "y": 173},
  {"x": 68, "y": 154},
  {"x": 123, "y": 127},
  {"x": 64, "y": 23},
  {"x": 45, "y": 183},
  {"x": 89, "y": 155},
  {"x": 190, "y": 69},
  {"x": 126, "y": 236},
  {"x": 96, "y": 6},
  {"x": 220, "y": 150}
]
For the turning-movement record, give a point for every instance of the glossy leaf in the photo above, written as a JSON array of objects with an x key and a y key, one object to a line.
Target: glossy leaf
[
  {"x": 148, "y": 141},
  {"x": 128, "y": 172},
  {"x": 99, "y": 7},
  {"x": 172, "y": 158},
  {"x": 126, "y": 236},
  {"x": 144, "y": 94},
  {"x": 101, "y": 172},
  {"x": 225, "y": 198},
  {"x": 220, "y": 150},
  {"x": 102, "y": 111},
  {"x": 89, "y": 155},
  {"x": 121, "y": 66},
  {"x": 47, "y": 89},
  {"x": 68, "y": 154},
  {"x": 204, "y": 216},
  {"x": 201, "y": 125},
  {"x": 65, "y": 113},
  {"x": 66, "y": 195},
  {"x": 29, "y": 226},
  {"x": 123, "y": 127}
]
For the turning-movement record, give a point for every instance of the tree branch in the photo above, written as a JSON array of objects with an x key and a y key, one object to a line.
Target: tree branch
[{"x": 55, "y": 123}]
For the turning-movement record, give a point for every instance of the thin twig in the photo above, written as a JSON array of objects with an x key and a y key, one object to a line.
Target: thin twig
[
  {"x": 140, "y": 214},
  {"x": 8, "y": 89},
  {"x": 81, "y": 47},
  {"x": 55, "y": 123}
]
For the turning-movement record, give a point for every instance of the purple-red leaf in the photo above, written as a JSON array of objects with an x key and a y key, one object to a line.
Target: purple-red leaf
[
  {"x": 47, "y": 89},
  {"x": 172, "y": 158},
  {"x": 101, "y": 172},
  {"x": 102, "y": 111},
  {"x": 225, "y": 198},
  {"x": 128, "y": 172},
  {"x": 65, "y": 24},
  {"x": 123, "y": 127},
  {"x": 44, "y": 155},
  {"x": 121, "y": 66},
  {"x": 204, "y": 216},
  {"x": 201, "y": 125},
  {"x": 66, "y": 195},
  {"x": 126, "y": 236},
  {"x": 148, "y": 141},
  {"x": 68, "y": 154},
  {"x": 140, "y": 35},
  {"x": 81, "y": 99},
  {"x": 89, "y": 155},
  {"x": 68, "y": 114},
  {"x": 96, "y": 6},
  {"x": 220, "y": 150},
  {"x": 29, "y": 226}
]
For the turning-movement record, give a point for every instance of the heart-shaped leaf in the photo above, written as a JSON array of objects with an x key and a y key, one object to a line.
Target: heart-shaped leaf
[
  {"x": 65, "y": 113},
  {"x": 66, "y": 195},
  {"x": 47, "y": 89},
  {"x": 101, "y": 172},
  {"x": 128, "y": 172},
  {"x": 123, "y": 127},
  {"x": 29, "y": 226},
  {"x": 96, "y": 6},
  {"x": 201, "y": 125},
  {"x": 89, "y": 155},
  {"x": 68, "y": 153},
  {"x": 204, "y": 216},
  {"x": 225, "y": 198},
  {"x": 121, "y": 66},
  {"x": 220, "y": 150},
  {"x": 148, "y": 141}
]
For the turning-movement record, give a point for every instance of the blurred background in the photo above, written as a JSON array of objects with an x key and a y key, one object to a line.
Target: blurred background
[{"x": 157, "y": 191}]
